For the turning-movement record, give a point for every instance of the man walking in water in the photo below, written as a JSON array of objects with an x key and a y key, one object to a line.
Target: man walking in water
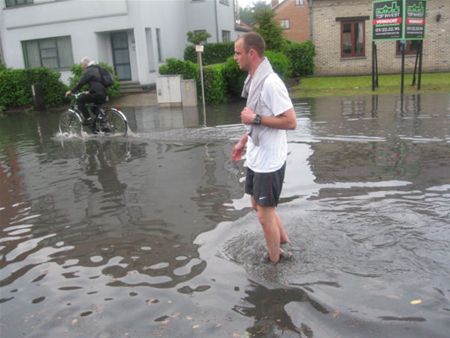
[{"x": 268, "y": 114}]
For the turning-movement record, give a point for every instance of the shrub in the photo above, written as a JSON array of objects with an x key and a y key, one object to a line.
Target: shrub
[
  {"x": 234, "y": 77},
  {"x": 77, "y": 70},
  {"x": 214, "y": 84},
  {"x": 301, "y": 57},
  {"x": 187, "y": 69},
  {"x": 279, "y": 62},
  {"x": 2, "y": 67},
  {"x": 213, "y": 53},
  {"x": 15, "y": 86}
]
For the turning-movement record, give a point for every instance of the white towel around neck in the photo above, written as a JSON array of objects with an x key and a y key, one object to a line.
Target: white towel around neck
[{"x": 253, "y": 86}]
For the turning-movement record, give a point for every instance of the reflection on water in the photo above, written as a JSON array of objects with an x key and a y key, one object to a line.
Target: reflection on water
[{"x": 157, "y": 224}]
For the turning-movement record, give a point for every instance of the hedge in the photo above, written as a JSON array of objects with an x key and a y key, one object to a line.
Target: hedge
[
  {"x": 15, "y": 86},
  {"x": 213, "y": 53},
  {"x": 187, "y": 69},
  {"x": 77, "y": 70},
  {"x": 301, "y": 57}
]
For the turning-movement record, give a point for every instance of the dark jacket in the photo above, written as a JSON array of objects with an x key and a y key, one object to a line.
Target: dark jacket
[{"x": 91, "y": 77}]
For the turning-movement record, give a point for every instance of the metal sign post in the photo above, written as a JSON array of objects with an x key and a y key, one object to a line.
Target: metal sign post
[{"x": 199, "y": 49}]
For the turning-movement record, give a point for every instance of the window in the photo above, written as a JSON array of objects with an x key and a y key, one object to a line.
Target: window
[
  {"x": 13, "y": 3},
  {"x": 299, "y": 2},
  {"x": 54, "y": 53},
  {"x": 226, "y": 37},
  {"x": 158, "y": 44},
  {"x": 411, "y": 47},
  {"x": 284, "y": 23},
  {"x": 225, "y": 2},
  {"x": 352, "y": 38}
]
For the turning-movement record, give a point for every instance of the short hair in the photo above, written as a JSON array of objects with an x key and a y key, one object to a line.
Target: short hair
[
  {"x": 85, "y": 60},
  {"x": 253, "y": 40}
]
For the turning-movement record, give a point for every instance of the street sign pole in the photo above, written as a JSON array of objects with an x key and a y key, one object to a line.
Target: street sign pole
[{"x": 199, "y": 50}]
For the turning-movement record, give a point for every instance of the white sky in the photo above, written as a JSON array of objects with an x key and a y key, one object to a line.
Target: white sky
[{"x": 246, "y": 3}]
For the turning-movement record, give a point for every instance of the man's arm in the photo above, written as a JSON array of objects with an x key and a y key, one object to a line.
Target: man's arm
[
  {"x": 285, "y": 120},
  {"x": 236, "y": 154}
]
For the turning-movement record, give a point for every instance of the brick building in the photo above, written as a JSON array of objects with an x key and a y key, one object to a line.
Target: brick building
[
  {"x": 342, "y": 35},
  {"x": 293, "y": 16}
]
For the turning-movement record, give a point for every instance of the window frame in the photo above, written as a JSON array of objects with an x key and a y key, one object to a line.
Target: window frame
[
  {"x": 41, "y": 49},
  {"x": 353, "y": 23},
  {"x": 16, "y": 4},
  {"x": 299, "y": 2},
  {"x": 288, "y": 26}
]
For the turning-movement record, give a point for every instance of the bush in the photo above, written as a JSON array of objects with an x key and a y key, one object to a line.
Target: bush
[
  {"x": 215, "y": 91},
  {"x": 213, "y": 53},
  {"x": 301, "y": 57},
  {"x": 234, "y": 77},
  {"x": 77, "y": 70},
  {"x": 15, "y": 86},
  {"x": 279, "y": 62},
  {"x": 2, "y": 67},
  {"x": 187, "y": 69}
]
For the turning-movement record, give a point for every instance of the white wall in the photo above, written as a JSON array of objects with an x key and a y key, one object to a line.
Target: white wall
[{"x": 89, "y": 24}]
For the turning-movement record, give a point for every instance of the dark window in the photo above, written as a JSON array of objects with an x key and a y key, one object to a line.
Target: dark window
[
  {"x": 352, "y": 38},
  {"x": 54, "y": 53},
  {"x": 226, "y": 36},
  {"x": 13, "y": 3},
  {"x": 411, "y": 47},
  {"x": 225, "y": 2}
]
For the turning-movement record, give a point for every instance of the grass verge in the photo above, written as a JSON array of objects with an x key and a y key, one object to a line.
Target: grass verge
[{"x": 362, "y": 85}]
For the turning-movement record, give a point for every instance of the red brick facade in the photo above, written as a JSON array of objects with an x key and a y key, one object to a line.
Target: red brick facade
[{"x": 293, "y": 16}]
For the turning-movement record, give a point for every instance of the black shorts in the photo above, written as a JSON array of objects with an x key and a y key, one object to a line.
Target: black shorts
[{"x": 265, "y": 187}]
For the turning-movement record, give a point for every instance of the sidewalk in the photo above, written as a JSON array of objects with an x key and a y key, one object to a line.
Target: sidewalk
[{"x": 134, "y": 100}]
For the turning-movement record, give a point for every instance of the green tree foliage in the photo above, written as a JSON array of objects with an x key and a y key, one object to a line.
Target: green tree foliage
[
  {"x": 301, "y": 58},
  {"x": 280, "y": 63},
  {"x": 269, "y": 29},
  {"x": 15, "y": 87},
  {"x": 187, "y": 69},
  {"x": 234, "y": 77},
  {"x": 213, "y": 53},
  {"x": 247, "y": 14},
  {"x": 198, "y": 38},
  {"x": 77, "y": 70}
]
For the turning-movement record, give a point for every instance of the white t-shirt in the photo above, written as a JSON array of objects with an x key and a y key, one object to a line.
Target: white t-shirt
[{"x": 271, "y": 153}]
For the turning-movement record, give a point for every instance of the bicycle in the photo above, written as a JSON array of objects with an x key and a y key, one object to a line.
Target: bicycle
[{"x": 108, "y": 120}]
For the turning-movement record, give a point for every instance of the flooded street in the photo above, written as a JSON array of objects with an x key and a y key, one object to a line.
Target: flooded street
[{"x": 152, "y": 235}]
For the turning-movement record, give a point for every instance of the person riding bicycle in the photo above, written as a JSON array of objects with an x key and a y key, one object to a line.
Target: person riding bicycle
[{"x": 97, "y": 91}]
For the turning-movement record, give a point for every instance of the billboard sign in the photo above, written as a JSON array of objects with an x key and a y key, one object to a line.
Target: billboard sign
[
  {"x": 415, "y": 19},
  {"x": 398, "y": 19}
]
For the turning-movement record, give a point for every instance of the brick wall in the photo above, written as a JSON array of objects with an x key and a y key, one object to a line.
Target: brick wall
[
  {"x": 327, "y": 39},
  {"x": 298, "y": 19}
]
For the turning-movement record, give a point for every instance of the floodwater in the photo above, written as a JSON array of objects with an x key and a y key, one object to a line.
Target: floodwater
[{"x": 152, "y": 235}]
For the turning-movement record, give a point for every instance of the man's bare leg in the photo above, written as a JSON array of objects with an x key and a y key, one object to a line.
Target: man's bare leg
[
  {"x": 267, "y": 218},
  {"x": 284, "y": 238}
]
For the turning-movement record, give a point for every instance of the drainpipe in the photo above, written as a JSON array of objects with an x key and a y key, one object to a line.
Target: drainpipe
[
  {"x": 311, "y": 33},
  {"x": 217, "y": 21}
]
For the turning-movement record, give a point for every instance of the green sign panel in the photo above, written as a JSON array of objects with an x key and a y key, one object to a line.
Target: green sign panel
[
  {"x": 387, "y": 19},
  {"x": 398, "y": 19},
  {"x": 415, "y": 19}
]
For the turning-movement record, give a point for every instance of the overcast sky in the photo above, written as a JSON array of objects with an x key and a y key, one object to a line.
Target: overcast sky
[{"x": 246, "y": 3}]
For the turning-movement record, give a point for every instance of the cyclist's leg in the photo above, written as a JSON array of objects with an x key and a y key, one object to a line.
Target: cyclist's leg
[{"x": 82, "y": 101}]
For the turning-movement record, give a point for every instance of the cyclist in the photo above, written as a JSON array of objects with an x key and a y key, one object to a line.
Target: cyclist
[{"x": 97, "y": 91}]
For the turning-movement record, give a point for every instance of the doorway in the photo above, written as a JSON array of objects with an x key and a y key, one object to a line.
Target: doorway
[{"x": 121, "y": 55}]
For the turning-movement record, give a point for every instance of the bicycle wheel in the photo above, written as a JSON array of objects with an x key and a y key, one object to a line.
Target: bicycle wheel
[
  {"x": 70, "y": 123},
  {"x": 113, "y": 122}
]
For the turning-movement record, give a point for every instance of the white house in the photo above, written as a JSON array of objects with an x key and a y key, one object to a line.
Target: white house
[{"x": 135, "y": 36}]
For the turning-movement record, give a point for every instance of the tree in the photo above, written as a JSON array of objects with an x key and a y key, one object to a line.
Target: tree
[
  {"x": 198, "y": 38},
  {"x": 247, "y": 14},
  {"x": 269, "y": 29}
]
